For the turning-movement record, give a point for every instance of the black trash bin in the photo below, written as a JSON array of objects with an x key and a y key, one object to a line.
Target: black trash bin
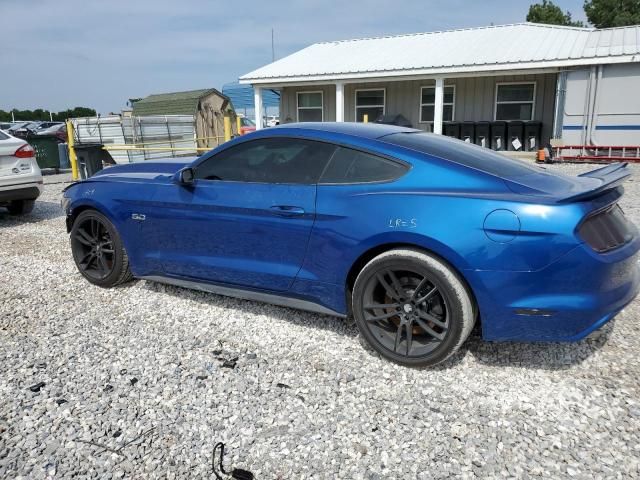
[
  {"x": 451, "y": 129},
  {"x": 482, "y": 134},
  {"x": 515, "y": 135},
  {"x": 468, "y": 132},
  {"x": 91, "y": 158},
  {"x": 532, "y": 131},
  {"x": 499, "y": 135}
]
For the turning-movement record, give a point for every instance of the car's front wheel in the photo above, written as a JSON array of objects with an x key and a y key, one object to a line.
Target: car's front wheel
[
  {"x": 412, "y": 308},
  {"x": 98, "y": 251}
]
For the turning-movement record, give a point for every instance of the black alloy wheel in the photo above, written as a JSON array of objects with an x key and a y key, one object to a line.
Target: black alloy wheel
[
  {"x": 95, "y": 246},
  {"x": 406, "y": 311},
  {"x": 412, "y": 308},
  {"x": 98, "y": 251}
]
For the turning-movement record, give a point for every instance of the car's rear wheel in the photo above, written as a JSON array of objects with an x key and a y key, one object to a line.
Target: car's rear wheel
[
  {"x": 412, "y": 308},
  {"x": 98, "y": 251},
  {"x": 21, "y": 207}
]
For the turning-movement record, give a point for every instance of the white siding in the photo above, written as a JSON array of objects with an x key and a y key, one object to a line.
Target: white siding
[{"x": 474, "y": 100}]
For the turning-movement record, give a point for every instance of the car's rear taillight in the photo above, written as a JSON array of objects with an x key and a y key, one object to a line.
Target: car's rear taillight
[
  {"x": 25, "y": 151},
  {"x": 606, "y": 229}
]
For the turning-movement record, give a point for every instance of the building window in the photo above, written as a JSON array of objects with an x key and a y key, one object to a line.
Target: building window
[
  {"x": 310, "y": 107},
  {"x": 369, "y": 102},
  {"x": 428, "y": 100},
  {"x": 515, "y": 101}
]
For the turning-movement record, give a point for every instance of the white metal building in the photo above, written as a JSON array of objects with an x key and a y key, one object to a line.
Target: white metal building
[{"x": 579, "y": 84}]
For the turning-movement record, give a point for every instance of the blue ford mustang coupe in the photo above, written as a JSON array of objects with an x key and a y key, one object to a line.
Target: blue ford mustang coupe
[{"x": 417, "y": 235}]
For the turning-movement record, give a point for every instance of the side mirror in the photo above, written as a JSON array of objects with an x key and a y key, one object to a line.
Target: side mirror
[{"x": 186, "y": 176}]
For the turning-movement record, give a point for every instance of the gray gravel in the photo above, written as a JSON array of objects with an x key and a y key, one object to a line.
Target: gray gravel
[{"x": 134, "y": 385}]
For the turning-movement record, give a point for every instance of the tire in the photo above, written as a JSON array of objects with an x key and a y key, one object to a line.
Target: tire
[
  {"x": 412, "y": 308},
  {"x": 21, "y": 207},
  {"x": 98, "y": 250}
]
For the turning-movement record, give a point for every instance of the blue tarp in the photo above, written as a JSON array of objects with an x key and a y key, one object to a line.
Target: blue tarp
[{"x": 242, "y": 96}]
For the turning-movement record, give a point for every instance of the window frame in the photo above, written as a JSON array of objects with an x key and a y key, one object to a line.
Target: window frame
[
  {"x": 337, "y": 144},
  {"x": 407, "y": 166},
  {"x": 355, "y": 101},
  {"x": 532, "y": 102},
  {"x": 298, "y": 107},
  {"x": 253, "y": 141},
  {"x": 453, "y": 104}
]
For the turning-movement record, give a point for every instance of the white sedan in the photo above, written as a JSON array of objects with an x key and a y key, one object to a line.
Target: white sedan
[{"x": 20, "y": 176}]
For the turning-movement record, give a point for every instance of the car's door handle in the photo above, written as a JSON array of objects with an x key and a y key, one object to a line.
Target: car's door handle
[{"x": 287, "y": 210}]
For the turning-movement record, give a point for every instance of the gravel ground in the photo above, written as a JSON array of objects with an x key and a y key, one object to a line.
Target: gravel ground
[{"x": 133, "y": 383}]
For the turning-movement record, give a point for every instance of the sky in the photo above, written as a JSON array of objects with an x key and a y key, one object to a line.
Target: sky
[{"x": 58, "y": 54}]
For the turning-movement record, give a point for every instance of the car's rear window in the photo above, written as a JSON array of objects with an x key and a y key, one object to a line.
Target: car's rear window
[
  {"x": 353, "y": 166},
  {"x": 3, "y": 136},
  {"x": 463, "y": 153}
]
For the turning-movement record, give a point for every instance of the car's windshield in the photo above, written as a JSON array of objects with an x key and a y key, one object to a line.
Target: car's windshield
[
  {"x": 246, "y": 122},
  {"x": 462, "y": 153}
]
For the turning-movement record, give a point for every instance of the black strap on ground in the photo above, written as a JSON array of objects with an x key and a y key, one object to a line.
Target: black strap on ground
[{"x": 236, "y": 473}]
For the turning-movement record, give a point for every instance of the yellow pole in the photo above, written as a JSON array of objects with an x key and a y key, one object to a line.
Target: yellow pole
[
  {"x": 239, "y": 124},
  {"x": 227, "y": 127},
  {"x": 365, "y": 118},
  {"x": 72, "y": 151}
]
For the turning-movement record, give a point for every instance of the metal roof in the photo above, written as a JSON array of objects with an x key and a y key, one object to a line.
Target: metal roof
[
  {"x": 176, "y": 103},
  {"x": 517, "y": 46},
  {"x": 242, "y": 96}
]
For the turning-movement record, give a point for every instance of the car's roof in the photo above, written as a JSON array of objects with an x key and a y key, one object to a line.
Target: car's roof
[{"x": 364, "y": 130}]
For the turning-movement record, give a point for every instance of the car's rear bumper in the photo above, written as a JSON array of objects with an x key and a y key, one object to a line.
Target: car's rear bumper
[
  {"x": 23, "y": 191},
  {"x": 565, "y": 301}
]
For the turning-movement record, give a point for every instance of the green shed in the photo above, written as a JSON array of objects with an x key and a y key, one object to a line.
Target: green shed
[{"x": 208, "y": 107}]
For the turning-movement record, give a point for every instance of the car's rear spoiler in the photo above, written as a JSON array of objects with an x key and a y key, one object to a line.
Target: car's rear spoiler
[{"x": 610, "y": 177}]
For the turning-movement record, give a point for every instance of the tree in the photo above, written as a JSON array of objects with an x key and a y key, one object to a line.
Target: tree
[
  {"x": 612, "y": 13},
  {"x": 77, "y": 112},
  {"x": 549, "y": 13},
  {"x": 40, "y": 114}
]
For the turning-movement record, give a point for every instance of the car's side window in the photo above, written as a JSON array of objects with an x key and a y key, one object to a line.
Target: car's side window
[
  {"x": 353, "y": 166},
  {"x": 269, "y": 160}
]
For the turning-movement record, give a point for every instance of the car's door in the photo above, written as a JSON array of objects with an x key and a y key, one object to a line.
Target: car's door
[{"x": 247, "y": 217}]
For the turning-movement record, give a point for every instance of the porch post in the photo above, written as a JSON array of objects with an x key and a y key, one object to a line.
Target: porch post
[
  {"x": 438, "y": 105},
  {"x": 257, "y": 99},
  {"x": 339, "y": 101}
]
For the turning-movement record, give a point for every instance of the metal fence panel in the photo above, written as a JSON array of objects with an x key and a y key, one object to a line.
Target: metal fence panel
[{"x": 157, "y": 131}]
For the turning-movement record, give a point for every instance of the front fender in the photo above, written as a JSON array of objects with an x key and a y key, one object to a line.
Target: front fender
[{"x": 91, "y": 195}]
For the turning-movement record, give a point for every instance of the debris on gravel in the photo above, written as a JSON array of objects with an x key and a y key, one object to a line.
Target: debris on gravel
[{"x": 143, "y": 380}]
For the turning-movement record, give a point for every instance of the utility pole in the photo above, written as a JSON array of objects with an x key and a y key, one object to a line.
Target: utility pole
[
  {"x": 13, "y": 119},
  {"x": 50, "y": 116},
  {"x": 273, "y": 51}
]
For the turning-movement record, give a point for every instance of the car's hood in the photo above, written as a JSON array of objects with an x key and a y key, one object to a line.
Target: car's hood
[{"x": 147, "y": 169}]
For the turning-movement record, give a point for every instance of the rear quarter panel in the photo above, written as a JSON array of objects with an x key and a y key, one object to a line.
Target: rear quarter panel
[{"x": 440, "y": 208}]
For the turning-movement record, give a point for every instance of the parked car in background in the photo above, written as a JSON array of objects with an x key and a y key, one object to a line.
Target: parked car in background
[
  {"x": 20, "y": 176},
  {"x": 45, "y": 125},
  {"x": 5, "y": 125},
  {"x": 23, "y": 129},
  {"x": 247, "y": 125},
  {"x": 58, "y": 130},
  {"x": 417, "y": 235},
  {"x": 272, "y": 121},
  {"x": 16, "y": 125}
]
